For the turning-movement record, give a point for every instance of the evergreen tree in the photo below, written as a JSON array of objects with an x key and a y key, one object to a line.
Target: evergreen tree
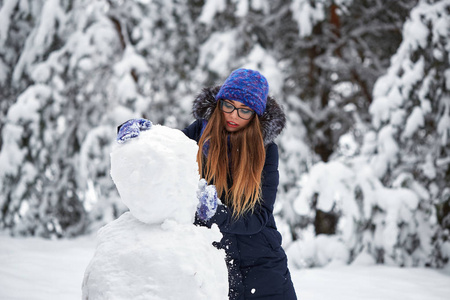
[
  {"x": 329, "y": 54},
  {"x": 62, "y": 64},
  {"x": 391, "y": 196},
  {"x": 83, "y": 69},
  {"x": 336, "y": 60},
  {"x": 411, "y": 115}
]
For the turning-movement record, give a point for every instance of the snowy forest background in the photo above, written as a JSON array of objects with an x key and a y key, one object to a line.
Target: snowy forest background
[{"x": 364, "y": 160}]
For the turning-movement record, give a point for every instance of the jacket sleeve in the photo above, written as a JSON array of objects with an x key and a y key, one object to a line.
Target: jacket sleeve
[
  {"x": 253, "y": 222},
  {"x": 193, "y": 131}
]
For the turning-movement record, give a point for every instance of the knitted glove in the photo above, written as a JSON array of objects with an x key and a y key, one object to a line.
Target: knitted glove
[
  {"x": 207, "y": 196},
  {"x": 131, "y": 129}
]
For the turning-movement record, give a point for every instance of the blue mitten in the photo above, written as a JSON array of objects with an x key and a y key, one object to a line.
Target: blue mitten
[
  {"x": 207, "y": 196},
  {"x": 131, "y": 129}
]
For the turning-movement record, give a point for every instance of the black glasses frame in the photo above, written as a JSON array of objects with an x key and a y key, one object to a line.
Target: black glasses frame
[{"x": 222, "y": 102}]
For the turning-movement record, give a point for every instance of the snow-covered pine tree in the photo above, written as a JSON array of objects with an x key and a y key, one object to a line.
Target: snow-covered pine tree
[
  {"x": 17, "y": 19},
  {"x": 341, "y": 48},
  {"x": 331, "y": 54},
  {"x": 84, "y": 67},
  {"x": 411, "y": 115},
  {"x": 390, "y": 197},
  {"x": 62, "y": 65}
]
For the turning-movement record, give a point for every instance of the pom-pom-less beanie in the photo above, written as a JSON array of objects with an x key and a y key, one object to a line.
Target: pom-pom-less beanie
[{"x": 248, "y": 87}]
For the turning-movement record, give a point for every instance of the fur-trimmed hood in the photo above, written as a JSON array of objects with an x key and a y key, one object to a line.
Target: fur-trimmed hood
[{"x": 272, "y": 121}]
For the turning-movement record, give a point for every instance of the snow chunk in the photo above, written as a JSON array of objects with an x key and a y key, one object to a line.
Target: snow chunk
[
  {"x": 210, "y": 9},
  {"x": 320, "y": 250},
  {"x": 329, "y": 181},
  {"x": 414, "y": 122},
  {"x": 157, "y": 175},
  {"x": 134, "y": 260},
  {"x": 364, "y": 259},
  {"x": 216, "y": 53},
  {"x": 306, "y": 15}
]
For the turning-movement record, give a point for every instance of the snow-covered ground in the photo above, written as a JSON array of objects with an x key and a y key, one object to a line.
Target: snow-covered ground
[{"x": 35, "y": 269}]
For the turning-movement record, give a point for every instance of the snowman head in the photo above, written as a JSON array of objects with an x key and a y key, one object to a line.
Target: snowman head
[{"x": 157, "y": 176}]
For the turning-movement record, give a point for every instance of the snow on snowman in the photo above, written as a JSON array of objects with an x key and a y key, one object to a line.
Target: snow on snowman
[{"x": 154, "y": 251}]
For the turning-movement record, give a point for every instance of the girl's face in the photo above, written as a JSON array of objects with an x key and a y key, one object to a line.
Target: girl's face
[{"x": 233, "y": 120}]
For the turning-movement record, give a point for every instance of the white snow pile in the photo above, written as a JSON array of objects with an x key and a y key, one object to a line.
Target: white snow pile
[{"x": 154, "y": 251}]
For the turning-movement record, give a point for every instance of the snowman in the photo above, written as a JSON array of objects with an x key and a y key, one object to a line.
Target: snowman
[{"x": 154, "y": 251}]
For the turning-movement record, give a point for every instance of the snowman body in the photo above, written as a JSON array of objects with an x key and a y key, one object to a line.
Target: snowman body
[{"x": 154, "y": 251}]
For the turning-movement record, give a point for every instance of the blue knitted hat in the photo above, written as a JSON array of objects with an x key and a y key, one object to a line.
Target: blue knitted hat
[{"x": 248, "y": 87}]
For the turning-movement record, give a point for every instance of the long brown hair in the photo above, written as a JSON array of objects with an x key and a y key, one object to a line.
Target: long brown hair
[{"x": 245, "y": 149}]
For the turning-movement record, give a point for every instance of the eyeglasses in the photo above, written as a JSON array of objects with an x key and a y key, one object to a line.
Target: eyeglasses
[{"x": 243, "y": 113}]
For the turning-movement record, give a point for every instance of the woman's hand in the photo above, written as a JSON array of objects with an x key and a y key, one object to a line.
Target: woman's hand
[
  {"x": 207, "y": 196},
  {"x": 131, "y": 129}
]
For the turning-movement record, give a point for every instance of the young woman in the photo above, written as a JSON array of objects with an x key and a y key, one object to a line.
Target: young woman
[{"x": 235, "y": 128}]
